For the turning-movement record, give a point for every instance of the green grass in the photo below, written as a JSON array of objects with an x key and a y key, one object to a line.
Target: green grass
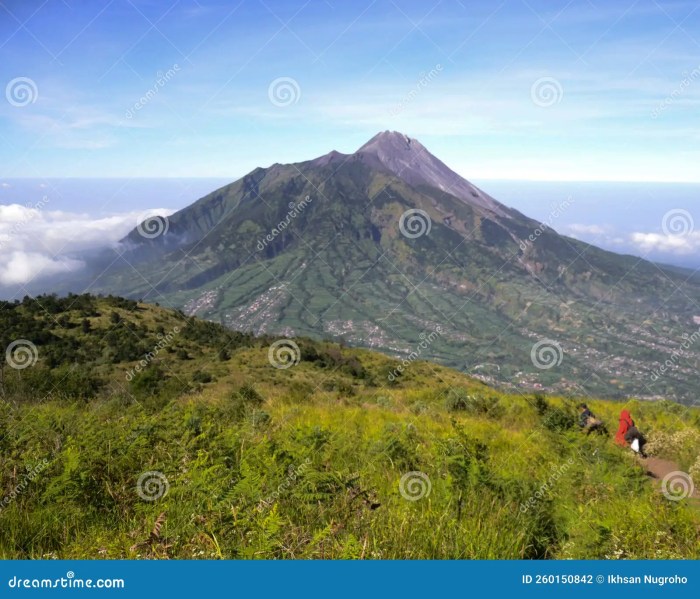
[{"x": 307, "y": 462}]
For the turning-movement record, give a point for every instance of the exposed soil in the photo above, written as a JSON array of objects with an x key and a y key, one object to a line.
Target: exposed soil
[{"x": 658, "y": 468}]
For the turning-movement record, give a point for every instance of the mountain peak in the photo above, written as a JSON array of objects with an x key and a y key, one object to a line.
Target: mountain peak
[
  {"x": 390, "y": 141},
  {"x": 409, "y": 160}
]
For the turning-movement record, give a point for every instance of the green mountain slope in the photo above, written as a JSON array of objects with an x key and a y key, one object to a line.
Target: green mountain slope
[
  {"x": 131, "y": 431},
  {"x": 317, "y": 248}
]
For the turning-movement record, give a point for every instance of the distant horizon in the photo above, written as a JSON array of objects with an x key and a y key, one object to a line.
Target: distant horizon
[
  {"x": 473, "y": 179},
  {"x": 89, "y": 213}
]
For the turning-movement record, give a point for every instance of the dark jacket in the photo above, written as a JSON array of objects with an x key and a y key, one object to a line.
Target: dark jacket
[{"x": 583, "y": 418}]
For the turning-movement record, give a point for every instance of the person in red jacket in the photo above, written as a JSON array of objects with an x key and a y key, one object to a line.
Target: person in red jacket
[
  {"x": 626, "y": 423},
  {"x": 628, "y": 433}
]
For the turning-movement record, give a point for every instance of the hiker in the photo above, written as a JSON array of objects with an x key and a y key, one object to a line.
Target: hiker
[
  {"x": 587, "y": 420},
  {"x": 628, "y": 434}
]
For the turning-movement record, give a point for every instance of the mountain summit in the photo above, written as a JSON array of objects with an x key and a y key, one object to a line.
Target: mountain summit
[
  {"x": 387, "y": 246},
  {"x": 409, "y": 160}
]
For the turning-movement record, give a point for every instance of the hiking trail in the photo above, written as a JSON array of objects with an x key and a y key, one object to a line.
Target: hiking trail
[{"x": 658, "y": 468}]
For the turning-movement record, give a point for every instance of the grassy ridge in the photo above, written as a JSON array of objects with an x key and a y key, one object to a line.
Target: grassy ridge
[{"x": 324, "y": 459}]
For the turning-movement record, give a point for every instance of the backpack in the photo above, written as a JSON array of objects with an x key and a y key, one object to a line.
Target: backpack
[{"x": 633, "y": 434}]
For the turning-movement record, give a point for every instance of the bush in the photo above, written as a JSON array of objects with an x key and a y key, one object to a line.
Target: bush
[
  {"x": 559, "y": 420},
  {"x": 541, "y": 405},
  {"x": 245, "y": 401},
  {"x": 458, "y": 400},
  {"x": 695, "y": 472},
  {"x": 202, "y": 377},
  {"x": 682, "y": 446}
]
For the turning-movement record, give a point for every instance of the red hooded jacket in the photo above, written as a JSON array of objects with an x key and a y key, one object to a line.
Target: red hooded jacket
[{"x": 626, "y": 423}]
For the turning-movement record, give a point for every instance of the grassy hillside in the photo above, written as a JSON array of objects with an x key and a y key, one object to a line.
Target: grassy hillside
[{"x": 130, "y": 431}]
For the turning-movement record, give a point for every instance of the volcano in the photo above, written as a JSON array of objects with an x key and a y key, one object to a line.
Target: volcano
[{"x": 389, "y": 248}]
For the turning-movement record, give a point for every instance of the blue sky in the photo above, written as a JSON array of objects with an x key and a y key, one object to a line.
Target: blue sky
[
  {"x": 582, "y": 90},
  {"x": 571, "y": 91}
]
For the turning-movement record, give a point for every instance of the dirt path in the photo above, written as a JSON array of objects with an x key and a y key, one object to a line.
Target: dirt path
[{"x": 658, "y": 469}]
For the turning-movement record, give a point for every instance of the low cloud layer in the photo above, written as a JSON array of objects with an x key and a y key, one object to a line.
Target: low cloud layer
[
  {"x": 36, "y": 242},
  {"x": 679, "y": 245},
  {"x": 668, "y": 246}
]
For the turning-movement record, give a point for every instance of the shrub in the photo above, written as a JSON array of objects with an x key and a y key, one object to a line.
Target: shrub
[
  {"x": 695, "y": 472},
  {"x": 458, "y": 400},
  {"x": 558, "y": 420},
  {"x": 541, "y": 405},
  {"x": 682, "y": 446},
  {"x": 202, "y": 377},
  {"x": 244, "y": 401}
]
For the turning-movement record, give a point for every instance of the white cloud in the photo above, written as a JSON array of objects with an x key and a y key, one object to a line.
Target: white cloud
[
  {"x": 21, "y": 267},
  {"x": 679, "y": 245},
  {"x": 36, "y": 242}
]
